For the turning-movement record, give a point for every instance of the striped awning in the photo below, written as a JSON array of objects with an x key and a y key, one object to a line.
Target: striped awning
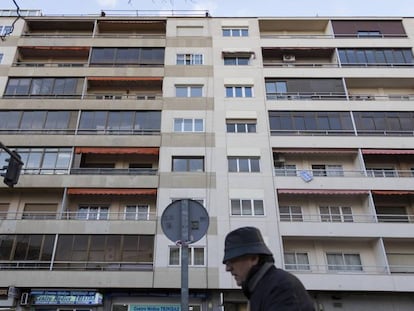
[
  {"x": 120, "y": 150},
  {"x": 387, "y": 151},
  {"x": 111, "y": 191},
  {"x": 322, "y": 191}
]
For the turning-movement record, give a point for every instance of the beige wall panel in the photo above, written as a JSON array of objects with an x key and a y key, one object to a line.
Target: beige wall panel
[
  {"x": 189, "y": 180},
  {"x": 189, "y": 71},
  {"x": 188, "y": 140},
  {"x": 175, "y": 103},
  {"x": 171, "y": 277},
  {"x": 189, "y": 42}
]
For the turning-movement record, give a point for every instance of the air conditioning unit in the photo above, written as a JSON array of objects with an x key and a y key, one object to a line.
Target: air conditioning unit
[
  {"x": 289, "y": 58},
  {"x": 24, "y": 299}
]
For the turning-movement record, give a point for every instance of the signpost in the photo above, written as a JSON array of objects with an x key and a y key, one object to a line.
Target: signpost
[{"x": 184, "y": 222}]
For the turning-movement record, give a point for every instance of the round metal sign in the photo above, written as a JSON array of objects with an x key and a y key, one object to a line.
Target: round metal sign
[{"x": 177, "y": 229}]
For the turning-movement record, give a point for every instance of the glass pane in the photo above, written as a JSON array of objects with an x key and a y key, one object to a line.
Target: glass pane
[
  {"x": 248, "y": 91},
  {"x": 243, "y": 165},
  {"x": 198, "y": 125},
  {"x": 258, "y": 207},
  {"x": 232, "y": 162},
  {"x": 254, "y": 165},
  {"x": 238, "y": 91},
  {"x": 235, "y": 207},
  {"x": 246, "y": 207},
  {"x": 179, "y": 165},
  {"x": 196, "y": 91},
  {"x": 130, "y": 212},
  {"x": 196, "y": 165},
  {"x": 231, "y": 128},
  {"x": 174, "y": 256},
  {"x": 229, "y": 91},
  {"x": 178, "y": 125},
  {"x": 198, "y": 254},
  {"x": 181, "y": 91},
  {"x": 188, "y": 125}
]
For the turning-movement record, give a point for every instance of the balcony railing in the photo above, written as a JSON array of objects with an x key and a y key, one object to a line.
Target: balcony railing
[
  {"x": 391, "y": 173},
  {"x": 370, "y": 97},
  {"x": 298, "y": 64},
  {"x": 75, "y": 265},
  {"x": 48, "y": 64},
  {"x": 106, "y": 96},
  {"x": 79, "y": 216},
  {"x": 337, "y": 269},
  {"x": 113, "y": 171},
  {"x": 366, "y": 65},
  {"x": 296, "y": 36},
  {"x": 306, "y": 96},
  {"x": 341, "y": 218}
]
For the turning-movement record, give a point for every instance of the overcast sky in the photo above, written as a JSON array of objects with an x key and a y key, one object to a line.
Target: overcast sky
[{"x": 252, "y": 8}]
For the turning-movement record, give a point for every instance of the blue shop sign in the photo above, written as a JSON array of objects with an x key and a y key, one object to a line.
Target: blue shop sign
[
  {"x": 154, "y": 307},
  {"x": 66, "y": 298}
]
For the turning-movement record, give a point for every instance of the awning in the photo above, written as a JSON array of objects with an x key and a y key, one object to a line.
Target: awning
[
  {"x": 57, "y": 48},
  {"x": 113, "y": 191},
  {"x": 124, "y": 78},
  {"x": 392, "y": 192},
  {"x": 237, "y": 53},
  {"x": 108, "y": 150},
  {"x": 315, "y": 150},
  {"x": 322, "y": 191},
  {"x": 387, "y": 151}
]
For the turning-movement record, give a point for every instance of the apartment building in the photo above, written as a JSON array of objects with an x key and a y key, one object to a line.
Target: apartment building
[{"x": 302, "y": 127}]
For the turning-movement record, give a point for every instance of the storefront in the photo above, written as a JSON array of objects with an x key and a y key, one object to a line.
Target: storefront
[{"x": 64, "y": 300}]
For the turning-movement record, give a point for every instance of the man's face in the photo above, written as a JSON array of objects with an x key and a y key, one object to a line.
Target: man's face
[{"x": 239, "y": 267}]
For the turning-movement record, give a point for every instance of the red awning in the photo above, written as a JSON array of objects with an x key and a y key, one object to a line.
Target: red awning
[
  {"x": 124, "y": 78},
  {"x": 392, "y": 192},
  {"x": 128, "y": 150},
  {"x": 113, "y": 191},
  {"x": 314, "y": 150},
  {"x": 57, "y": 48},
  {"x": 322, "y": 191},
  {"x": 387, "y": 151}
]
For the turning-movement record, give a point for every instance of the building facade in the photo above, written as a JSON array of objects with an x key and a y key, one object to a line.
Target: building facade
[{"x": 302, "y": 127}]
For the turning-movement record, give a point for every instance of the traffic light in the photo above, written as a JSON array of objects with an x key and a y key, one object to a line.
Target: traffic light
[{"x": 12, "y": 174}]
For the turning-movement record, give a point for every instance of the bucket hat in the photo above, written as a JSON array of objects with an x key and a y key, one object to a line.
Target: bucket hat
[{"x": 244, "y": 241}]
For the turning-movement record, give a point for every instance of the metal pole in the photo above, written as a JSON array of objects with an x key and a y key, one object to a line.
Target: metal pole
[{"x": 184, "y": 254}]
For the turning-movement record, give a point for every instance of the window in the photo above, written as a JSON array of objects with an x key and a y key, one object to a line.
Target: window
[
  {"x": 296, "y": 261},
  {"x": 187, "y": 164},
  {"x": 241, "y": 126},
  {"x": 1, "y": 57},
  {"x": 369, "y": 33},
  {"x": 39, "y": 120},
  {"x": 381, "y": 172},
  {"x": 344, "y": 262},
  {"x": 242, "y": 207},
  {"x": 44, "y": 160},
  {"x": 375, "y": 57},
  {"x": 336, "y": 214},
  {"x": 189, "y": 59},
  {"x": 92, "y": 212},
  {"x": 384, "y": 122},
  {"x": 39, "y": 211},
  {"x": 135, "y": 251},
  {"x": 196, "y": 256},
  {"x": 188, "y": 125},
  {"x": 188, "y": 90},
  {"x": 27, "y": 247},
  {"x": 327, "y": 170},
  {"x": 282, "y": 169},
  {"x": 147, "y": 56},
  {"x": 276, "y": 89},
  {"x": 290, "y": 213},
  {"x": 244, "y": 164},
  {"x": 119, "y": 122},
  {"x": 42, "y": 86},
  {"x": 239, "y": 91},
  {"x": 137, "y": 212},
  {"x": 322, "y": 122},
  {"x": 236, "y": 60},
  {"x": 235, "y": 32}
]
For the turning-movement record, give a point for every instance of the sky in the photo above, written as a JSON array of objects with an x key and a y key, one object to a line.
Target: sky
[{"x": 251, "y": 8}]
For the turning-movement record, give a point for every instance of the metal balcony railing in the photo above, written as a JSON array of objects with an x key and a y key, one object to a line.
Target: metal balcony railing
[
  {"x": 342, "y": 218},
  {"x": 306, "y": 96},
  {"x": 79, "y": 216},
  {"x": 319, "y": 173},
  {"x": 370, "y": 97},
  {"x": 113, "y": 171},
  {"x": 299, "y": 64},
  {"x": 366, "y": 65},
  {"x": 296, "y": 36},
  {"x": 75, "y": 265},
  {"x": 48, "y": 64},
  {"x": 337, "y": 269}
]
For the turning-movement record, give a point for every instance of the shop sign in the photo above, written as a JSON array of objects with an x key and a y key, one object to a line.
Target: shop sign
[
  {"x": 66, "y": 298},
  {"x": 154, "y": 308}
]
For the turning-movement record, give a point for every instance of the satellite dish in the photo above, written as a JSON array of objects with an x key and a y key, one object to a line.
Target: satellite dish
[{"x": 185, "y": 221}]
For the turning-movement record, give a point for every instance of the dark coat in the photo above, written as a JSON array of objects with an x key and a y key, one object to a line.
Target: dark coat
[{"x": 273, "y": 289}]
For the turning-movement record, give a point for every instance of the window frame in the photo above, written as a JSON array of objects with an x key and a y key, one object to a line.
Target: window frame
[
  {"x": 188, "y": 164},
  {"x": 291, "y": 213},
  {"x": 239, "y": 91},
  {"x": 101, "y": 213},
  {"x": 254, "y": 212},
  {"x": 191, "y": 255},
  {"x": 344, "y": 262},
  {"x": 189, "y": 59},
  {"x": 253, "y": 164},
  {"x": 189, "y": 91},
  {"x": 180, "y": 125},
  {"x": 137, "y": 215},
  {"x": 296, "y": 265},
  {"x": 241, "y": 126},
  {"x": 330, "y": 213},
  {"x": 235, "y": 31}
]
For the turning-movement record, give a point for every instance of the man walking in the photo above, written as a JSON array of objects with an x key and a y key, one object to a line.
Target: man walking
[{"x": 268, "y": 288}]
